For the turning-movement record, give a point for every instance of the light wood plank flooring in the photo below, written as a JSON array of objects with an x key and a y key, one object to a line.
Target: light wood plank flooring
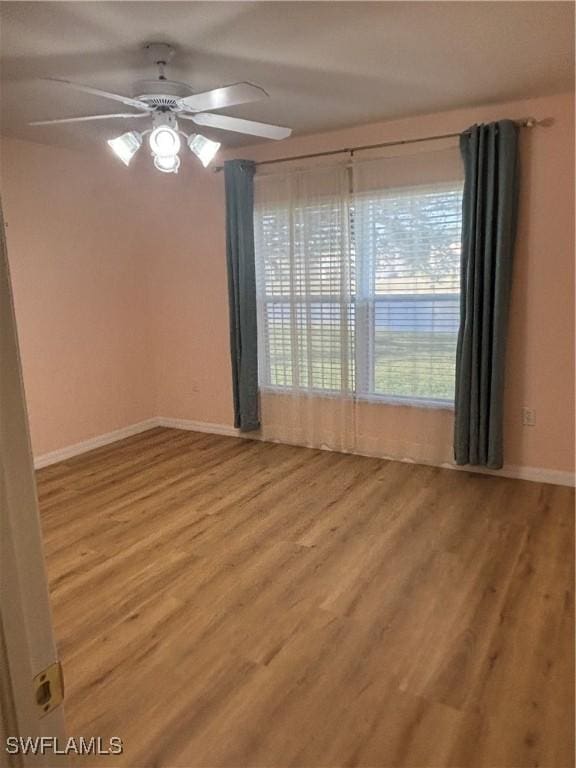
[{"x": 226, "y": 602}]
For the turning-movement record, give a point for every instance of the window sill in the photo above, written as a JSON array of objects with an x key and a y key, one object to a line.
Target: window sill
[{"x": 439, "y": 405}]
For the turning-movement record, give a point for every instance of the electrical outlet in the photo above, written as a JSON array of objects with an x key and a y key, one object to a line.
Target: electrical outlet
[{"x": 528, "y": 417}]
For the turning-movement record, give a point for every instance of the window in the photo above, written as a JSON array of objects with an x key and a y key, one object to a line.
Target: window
[
  {"x": 408, "y": 254},
  {"x": 358, "y": 293},
  {"x": 305, "y": 298}
]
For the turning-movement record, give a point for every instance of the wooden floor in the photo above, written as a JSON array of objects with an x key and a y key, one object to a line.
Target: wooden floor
[{"x": 226, "y": 602}]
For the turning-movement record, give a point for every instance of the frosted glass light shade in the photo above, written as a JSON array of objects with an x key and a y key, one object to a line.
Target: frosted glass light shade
[
  {"x": 164, "y": 141},
  {"x": 203, "y": 148},
  {"x": 167, "y": 163},
  {"x": 126, "y": 146}
]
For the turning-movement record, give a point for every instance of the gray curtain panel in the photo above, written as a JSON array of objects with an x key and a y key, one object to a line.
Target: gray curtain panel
[
  {"x": 490, "y": 154},
  {"x": 239, "y": 181}
]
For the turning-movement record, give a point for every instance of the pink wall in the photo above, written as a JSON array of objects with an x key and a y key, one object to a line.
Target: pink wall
[
  {"x": 190, "y": 299},
  {"x": 192, "y": 324},
  {"x": 77, "y": 255},
  {"x": 120, "y": 288}
]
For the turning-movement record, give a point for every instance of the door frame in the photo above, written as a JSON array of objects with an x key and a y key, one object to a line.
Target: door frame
[{"x": 27, "y": 645}]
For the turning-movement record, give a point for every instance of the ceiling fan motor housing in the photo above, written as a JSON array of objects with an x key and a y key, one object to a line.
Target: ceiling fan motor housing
[{"x": 163, "y": 94}]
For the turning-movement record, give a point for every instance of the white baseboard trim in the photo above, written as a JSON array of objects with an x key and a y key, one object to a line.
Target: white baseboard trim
[
  {"x": 533, "y": 474},
  {"x": 201, "y": 426},
  {"x": 94, "y": 442}
]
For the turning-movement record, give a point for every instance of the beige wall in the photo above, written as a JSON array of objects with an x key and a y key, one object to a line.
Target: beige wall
[
  {"x": 77, "y": 251},
  {"x": 123, "y": 309}
]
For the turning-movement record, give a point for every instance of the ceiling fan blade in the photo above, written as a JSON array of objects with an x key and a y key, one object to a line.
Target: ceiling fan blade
[
  {"x": 97, "y": 92},
  {"x": 87, "y": 117},
  {"x": 219, "y": 98},
  {"x": 239, "y": 125}
]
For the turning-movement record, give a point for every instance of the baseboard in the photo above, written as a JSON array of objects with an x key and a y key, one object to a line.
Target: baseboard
[
  {"x": 94, "y": 442},
  {"x": 200, "y": 426},
  {"x": 70, "y": 451},
  {"x": 533, "y": 474}
]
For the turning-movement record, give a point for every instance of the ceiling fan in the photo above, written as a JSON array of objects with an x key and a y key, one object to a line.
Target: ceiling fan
[{"x": 165, "y": 102}]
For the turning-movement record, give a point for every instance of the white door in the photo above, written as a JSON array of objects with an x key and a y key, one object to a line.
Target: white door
[{"x": 28, "y": 705}]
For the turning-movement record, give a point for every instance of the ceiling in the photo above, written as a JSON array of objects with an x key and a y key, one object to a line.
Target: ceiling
[{"x": 325, "y": 64}]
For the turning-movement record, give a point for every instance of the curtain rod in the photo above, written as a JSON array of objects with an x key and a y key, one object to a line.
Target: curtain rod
[{"x": 528, "y": 122}]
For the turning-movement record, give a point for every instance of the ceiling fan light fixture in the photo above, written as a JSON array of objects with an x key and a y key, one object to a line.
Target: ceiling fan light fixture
[
  {"x": 164, "y": 141},
  {"x": 126, "y": 146},
  {"x": 164, "y": 103},
  {"x": 167, "y": 163},
  {"x": 204, "y": 149}
]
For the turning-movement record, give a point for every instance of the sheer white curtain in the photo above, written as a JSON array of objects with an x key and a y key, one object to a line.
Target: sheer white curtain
[
  {"x": 357, "y": 281},
  {"x": 407, "y": 226},
  {"x": 305, "y": 307}
]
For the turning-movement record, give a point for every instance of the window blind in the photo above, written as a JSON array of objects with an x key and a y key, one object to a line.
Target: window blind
[
  {"x": 408, "y": 246},
  {"x": 305, "y": 303},
  {"x": 358, "y": 292}
]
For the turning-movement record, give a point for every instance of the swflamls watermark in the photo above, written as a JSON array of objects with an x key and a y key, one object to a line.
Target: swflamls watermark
[{"x": 74, "y": 745}]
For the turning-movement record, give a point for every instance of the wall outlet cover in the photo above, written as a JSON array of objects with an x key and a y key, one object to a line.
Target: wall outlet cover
[{"x": 528, "y": 417}]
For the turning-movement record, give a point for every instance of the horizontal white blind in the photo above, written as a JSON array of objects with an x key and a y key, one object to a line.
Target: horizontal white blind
[
  {"x": 303, "y": 280},
  {"x": 358, "y": 292},
  {"x": 408, "y": 246}
]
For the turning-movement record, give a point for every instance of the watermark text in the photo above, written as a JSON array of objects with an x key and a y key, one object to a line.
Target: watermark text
[{"x": 74, "y": 745}]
